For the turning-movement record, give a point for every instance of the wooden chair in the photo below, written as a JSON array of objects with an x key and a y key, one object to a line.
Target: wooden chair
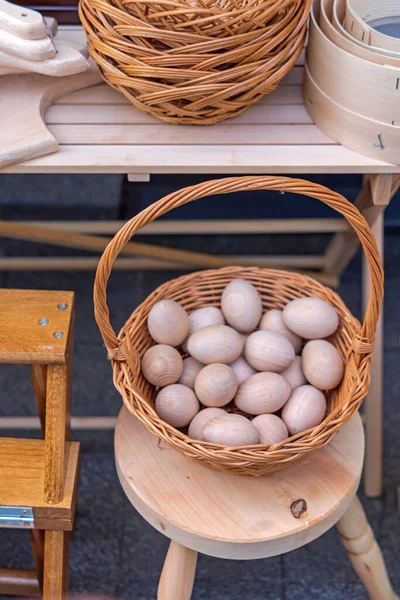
[
  {"x": 39, "y": 478},
  {"x": 247, "y": 517}
]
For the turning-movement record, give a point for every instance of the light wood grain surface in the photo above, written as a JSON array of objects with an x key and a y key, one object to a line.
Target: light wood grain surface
[
  {"x": 99, "y": 131},
  {"x": 22, "y": 338},
  {"x": 233, "y": 516},
  {"x": 22, "y": 468}
]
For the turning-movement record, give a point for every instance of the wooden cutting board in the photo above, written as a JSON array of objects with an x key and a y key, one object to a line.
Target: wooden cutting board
[
  {"x": 24, "y": 100},
  {"x": 70, "y": 59}
]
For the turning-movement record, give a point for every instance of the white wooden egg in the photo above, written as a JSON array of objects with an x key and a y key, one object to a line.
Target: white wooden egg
[
  {"x": 310, "y": 318},
  {"x": 216, "y": 385},
  {"x": 204, "y": 317},
  {"x": 271, "y": 429},
  {"x": 273, "y": 321},
  {"x": 201, "y": 419},
  {"x": 177, "y": 404},
  {"x": 168, "y": 323},
  {"x": 215, "y": 344},
  {"x": 230, "y": 430},
  {"x": 241, "y": 305},
  {"x": 268, "y": 351},
  {"x": 162, "y": 365},
  {"x": 263, "y": 393},
  {"x": 242, "y": 369},
  {"x": 294, "y": 374},
  {"x": 322, "y": 364},
  {"x": 191, "y": 368},
  {"x": 305, "y": 408}
]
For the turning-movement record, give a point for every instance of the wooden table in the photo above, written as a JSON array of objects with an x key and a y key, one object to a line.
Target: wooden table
[{"x": 100, "y": 132}]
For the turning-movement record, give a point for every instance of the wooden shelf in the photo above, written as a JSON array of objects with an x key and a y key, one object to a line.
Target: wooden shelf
[
  {"x": 99, "y": 131},
  {"x": 22, "y": 466}
]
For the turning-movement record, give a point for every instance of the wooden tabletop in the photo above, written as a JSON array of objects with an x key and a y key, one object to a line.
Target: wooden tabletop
[{"x": 99, "y": 131}]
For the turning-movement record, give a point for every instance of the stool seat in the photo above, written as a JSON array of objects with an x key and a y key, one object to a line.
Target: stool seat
[
  {"x": 22, "y": 471},
  {"x": 22, "y": 339},
  {"x": 233, "y": 516}
]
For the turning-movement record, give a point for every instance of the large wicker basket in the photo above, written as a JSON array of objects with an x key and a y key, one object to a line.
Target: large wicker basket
[
  {"x": 195, "y": 62},
  {"x": 354, "y": 341}
]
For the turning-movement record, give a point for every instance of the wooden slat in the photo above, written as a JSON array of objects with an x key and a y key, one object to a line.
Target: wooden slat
[
  {"x": 204, "y": 159},
  {"x": 125, "y": 114},
  {"x": 203, "y": 226},
  {"x": 22, "y": 339},
  {"x": 87, "y": 263},
  {"x": 163, "y": 134},
  {"x": 104, "y": 94},
  {"x": 22, "y": 466},
  {"x": 19, "y": 582},
  {"x": 33, "y": 423},
  {"x": 84, "y": 264}
]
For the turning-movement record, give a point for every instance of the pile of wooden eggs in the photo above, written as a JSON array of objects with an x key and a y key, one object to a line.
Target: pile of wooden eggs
[{"x": 260, "y": 362}]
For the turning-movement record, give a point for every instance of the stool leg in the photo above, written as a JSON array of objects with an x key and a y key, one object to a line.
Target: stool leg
[
  {"x": 177, "y": 577},
  {"x": 364, "y": 552},
  {"x": 37, "y": 544},
  {"x": 39, "y": 376},
  {"x": 58, "y": 428},
  {"x": 55, "y": 576}
]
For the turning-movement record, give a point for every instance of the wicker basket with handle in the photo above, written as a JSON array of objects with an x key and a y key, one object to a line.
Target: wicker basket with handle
[
  {"x": 355, "y": 342},
  {"x": 190, "y": 61}
]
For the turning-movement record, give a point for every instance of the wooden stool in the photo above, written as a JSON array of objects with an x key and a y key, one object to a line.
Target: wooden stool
[
  {"x": 39, "y": 478},
  {"x": 248, "y": 517}
]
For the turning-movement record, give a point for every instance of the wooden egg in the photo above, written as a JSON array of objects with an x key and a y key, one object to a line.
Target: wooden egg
[
  {"x": 162, "y": 365},
  {"x": 216, "y": 385},
  {"x": 273, "y": 321},
  {"x": 201, "y": 419},
  {"x": 191, "y": 368},
  {"x": 177, "y": 404},
  {"x": 268, "y": 351},
  {"x": 305, "y": 408},
  {"x": 204, "y": 317},
  {"x": 242, "y": 369},
  {"x": 271, "y": 429},
  {"x": 230, "y": 430},
  {"x": 168, "y": 323},
  {"x": 310, "y": 318},
  {"x": 263, "y": 393},
  {"x": 294, "y": 374},
  {"x": 322, "y": 364},
  {"x": 215, "y": 344},
  {"x": 241, "y": 305}
]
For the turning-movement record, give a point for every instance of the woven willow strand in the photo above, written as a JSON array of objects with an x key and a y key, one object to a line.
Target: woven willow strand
[
  {"x": 276, "y": 288},
  {"x": 195, "y": 62}
]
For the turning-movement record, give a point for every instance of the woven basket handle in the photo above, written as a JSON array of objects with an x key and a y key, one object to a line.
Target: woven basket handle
[{"x": 362, "y": 344}]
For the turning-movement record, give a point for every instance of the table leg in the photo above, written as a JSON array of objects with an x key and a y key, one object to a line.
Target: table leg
[
  {"x": 364, "y": 552},
  {"x": 373, "y": 403},
  {"x": 177, "y": 577},
  {"x": 375, "y": 195}
]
